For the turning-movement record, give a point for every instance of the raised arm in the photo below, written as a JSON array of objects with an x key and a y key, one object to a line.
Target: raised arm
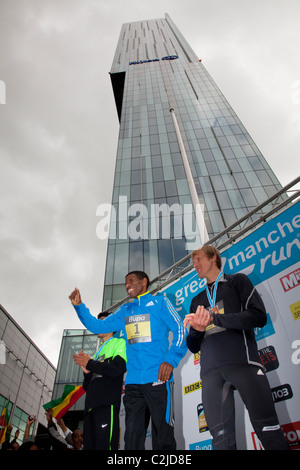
[
  {"x": 111, "y": 323},
  {"x": 75, "y": 297}
]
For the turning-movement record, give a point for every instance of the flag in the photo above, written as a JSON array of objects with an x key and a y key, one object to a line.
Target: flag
[
  {"x": 4, "y": 418},
  {"x": 69, "y": 397}
]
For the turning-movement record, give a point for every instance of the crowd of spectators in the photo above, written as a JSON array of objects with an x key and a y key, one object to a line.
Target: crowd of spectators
[{"x": 60, "y": 437}]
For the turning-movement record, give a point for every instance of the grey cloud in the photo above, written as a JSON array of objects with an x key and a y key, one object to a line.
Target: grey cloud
[{"x": 59, "y": 130}]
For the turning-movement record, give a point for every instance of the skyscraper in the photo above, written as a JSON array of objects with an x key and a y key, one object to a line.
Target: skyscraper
[{"x": 182, "y": 152}]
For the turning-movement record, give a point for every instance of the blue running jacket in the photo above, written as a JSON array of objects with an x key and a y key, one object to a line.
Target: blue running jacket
[{"x": 145, "y": 323}]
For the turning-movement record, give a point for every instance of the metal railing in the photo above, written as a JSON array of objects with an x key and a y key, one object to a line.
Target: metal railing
[{"x": 245, "y": 225}]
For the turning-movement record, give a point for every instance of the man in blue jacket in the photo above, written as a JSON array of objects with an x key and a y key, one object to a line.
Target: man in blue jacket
[{"x": 146, "y": 323}]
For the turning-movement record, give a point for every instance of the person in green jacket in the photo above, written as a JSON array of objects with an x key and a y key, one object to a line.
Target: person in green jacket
[{"x": 103, "y": 382}]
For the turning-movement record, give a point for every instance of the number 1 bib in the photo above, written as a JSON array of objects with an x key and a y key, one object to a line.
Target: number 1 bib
[{"x": 138, "y": 328}]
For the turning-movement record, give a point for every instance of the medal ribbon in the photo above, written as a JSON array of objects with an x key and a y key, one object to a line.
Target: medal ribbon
[
  {"x": 97, "y": 354},
  {"x": 212, "y": 300}
]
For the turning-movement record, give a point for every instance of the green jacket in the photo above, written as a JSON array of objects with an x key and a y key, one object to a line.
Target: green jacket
[{"x": 104, "y": 382}]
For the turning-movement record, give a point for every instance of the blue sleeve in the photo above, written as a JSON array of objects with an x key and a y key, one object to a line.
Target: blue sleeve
[
  {"x": 178, "y": 347},
  {"x": 110, "y": 324}
]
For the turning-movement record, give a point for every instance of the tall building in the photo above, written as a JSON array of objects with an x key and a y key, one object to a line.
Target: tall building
[
  {"x": 26, "y": 379},
  {"x": 182, "y": 151}
]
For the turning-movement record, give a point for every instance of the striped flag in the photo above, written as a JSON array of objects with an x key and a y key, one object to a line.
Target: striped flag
[
  {"x": 4, "y": 418},
  {"x": 61, "y": 405}
]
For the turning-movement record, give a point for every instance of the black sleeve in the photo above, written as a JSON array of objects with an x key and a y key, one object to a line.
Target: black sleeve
[
  {"x": 253, "y": 312},
  {"x": 194, "y": 304},
  {"x": 107, "y": 368},
  {"x": 56, "y": 440},
  {"x": 87, "y": 378},
  {"x": 194, "y": 340}
]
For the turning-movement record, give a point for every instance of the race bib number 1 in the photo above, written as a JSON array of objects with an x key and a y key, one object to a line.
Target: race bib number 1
[{"x": 138, "y": 328}]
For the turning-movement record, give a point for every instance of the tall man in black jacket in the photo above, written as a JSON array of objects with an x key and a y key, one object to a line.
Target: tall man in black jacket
[{"x": 221, "y": 319}]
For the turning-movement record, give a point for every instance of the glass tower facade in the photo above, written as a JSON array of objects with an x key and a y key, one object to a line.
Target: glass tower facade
[
  {"x": 181, "y": 146},
  {"x": 69, "y": 373}
]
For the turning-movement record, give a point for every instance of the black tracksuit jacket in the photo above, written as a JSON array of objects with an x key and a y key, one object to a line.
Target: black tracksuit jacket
[{"x": 232, "y": 341}]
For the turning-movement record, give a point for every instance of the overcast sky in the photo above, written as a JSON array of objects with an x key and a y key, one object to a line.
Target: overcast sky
[{"x": 59, "y": 130}]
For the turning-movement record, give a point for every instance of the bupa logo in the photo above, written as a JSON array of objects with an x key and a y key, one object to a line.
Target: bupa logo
[
  {"x": 202, "y": 445},
  {"x": 136, "y": 319},
  {"x": 168, "y": 57}
]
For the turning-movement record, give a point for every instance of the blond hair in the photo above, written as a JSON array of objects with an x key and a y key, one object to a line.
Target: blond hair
[{"x": 210, "y": 252}]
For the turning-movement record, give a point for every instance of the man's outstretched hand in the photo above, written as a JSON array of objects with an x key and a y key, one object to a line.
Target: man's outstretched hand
[{"x": 75, "y": 297}]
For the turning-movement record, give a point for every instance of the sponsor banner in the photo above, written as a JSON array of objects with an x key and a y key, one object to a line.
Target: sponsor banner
[
  {"x": 203, "y": 445},
  {"x": 270, "y": 257},
  {"x": 201, "y": 418},
  {"x": 291, "y": 432},
  {"x": 281, "y": 393},
  {"x": 290, "y": 280},
  {"x": 269, "y": 250},
  {"x": 268, "y": 358}
]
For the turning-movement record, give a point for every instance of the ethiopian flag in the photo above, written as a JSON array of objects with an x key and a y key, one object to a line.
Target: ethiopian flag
[
  {"x": 69, "y": 397},
  {"x": 3, "y": 423}
]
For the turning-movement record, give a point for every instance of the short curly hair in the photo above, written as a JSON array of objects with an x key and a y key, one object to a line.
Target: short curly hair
[
  {"x": 210, "y": 252},
  {"x": 140, "y": 275}
]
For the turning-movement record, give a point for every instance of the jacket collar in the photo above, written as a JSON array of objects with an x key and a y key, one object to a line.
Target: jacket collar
[{"x": 142, "y": 298}]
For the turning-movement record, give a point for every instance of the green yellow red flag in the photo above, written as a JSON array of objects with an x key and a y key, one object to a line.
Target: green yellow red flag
[
  {"x": 4, "y": 418},
  {"x": 61, "y": 405}
]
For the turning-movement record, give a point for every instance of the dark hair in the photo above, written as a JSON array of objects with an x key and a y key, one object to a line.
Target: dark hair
[
  {"x": 27, "y": 445},
  {"x": 103, "y": 314},
  {"x": 140, "y": 275}
]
